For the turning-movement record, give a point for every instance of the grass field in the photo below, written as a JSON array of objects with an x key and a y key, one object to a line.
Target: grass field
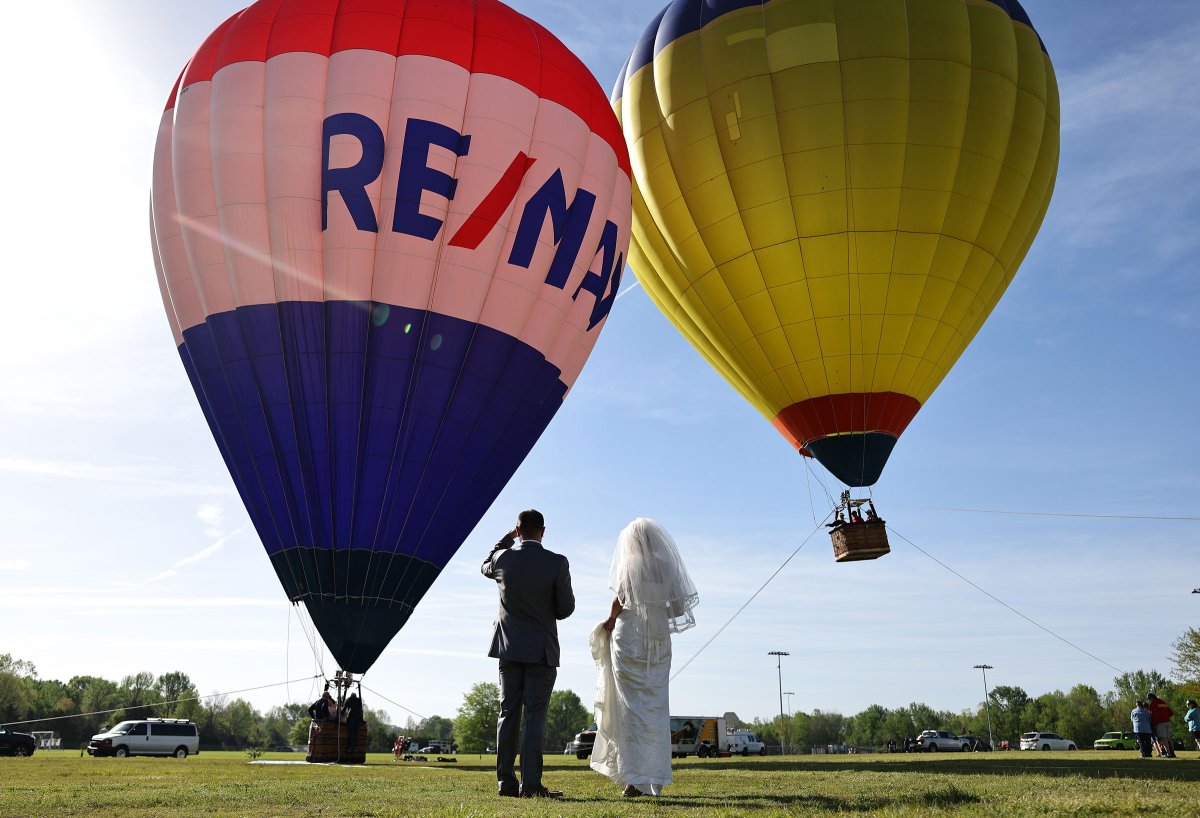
[{"x": 61, "y": 783}]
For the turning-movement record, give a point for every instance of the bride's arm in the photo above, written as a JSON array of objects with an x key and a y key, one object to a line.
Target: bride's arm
[{"x": 611, "y": 622}]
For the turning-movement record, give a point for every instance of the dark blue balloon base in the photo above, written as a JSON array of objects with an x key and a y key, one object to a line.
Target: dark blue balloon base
[
  {"x": 856, "y": 459},
  {"x": 376, "y": 433}
]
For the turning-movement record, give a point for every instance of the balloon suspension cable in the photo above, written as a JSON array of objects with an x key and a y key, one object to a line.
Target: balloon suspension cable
[
  {"x": 809, "y": 478},
  {"x": 310, "y": 635}
]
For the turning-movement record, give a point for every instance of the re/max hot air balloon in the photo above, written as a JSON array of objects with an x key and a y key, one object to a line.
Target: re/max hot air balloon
[
  {"x": 830, "y": 197},
  {"x": 387, "y": 233}
]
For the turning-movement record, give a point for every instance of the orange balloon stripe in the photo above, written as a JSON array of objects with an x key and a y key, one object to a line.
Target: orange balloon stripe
[{"x": 851, "y": 413}]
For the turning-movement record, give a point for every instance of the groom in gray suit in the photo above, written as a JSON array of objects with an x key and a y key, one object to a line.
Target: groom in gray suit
[{"x": 535, "y": 592}]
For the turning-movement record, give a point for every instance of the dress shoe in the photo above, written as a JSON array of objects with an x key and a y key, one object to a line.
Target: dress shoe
[
  {"x": 507, "y": 793},
  {"x": 541, "y": 792},
  {"x": 632, "y": 792}
]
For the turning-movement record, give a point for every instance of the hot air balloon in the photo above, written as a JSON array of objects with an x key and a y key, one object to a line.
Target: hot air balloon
[
  {"x": 830, "y": 197},
  {"x": 387, "y": 234}
]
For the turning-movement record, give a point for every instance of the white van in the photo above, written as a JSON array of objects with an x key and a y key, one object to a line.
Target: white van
[
  {"x": 147, "y": 737},
  {"x": 744, "y": 742}
]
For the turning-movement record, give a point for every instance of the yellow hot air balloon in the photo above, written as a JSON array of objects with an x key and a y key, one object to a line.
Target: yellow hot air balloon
[{"x": 832, "y": 195}]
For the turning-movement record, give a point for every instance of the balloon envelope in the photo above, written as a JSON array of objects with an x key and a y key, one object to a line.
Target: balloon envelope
[
  {"x": 830, "y": 197},
  {"x": 387, "y": 235}
]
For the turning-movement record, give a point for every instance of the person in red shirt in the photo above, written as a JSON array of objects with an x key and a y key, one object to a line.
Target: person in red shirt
[{"x": 1160, "y": 723}]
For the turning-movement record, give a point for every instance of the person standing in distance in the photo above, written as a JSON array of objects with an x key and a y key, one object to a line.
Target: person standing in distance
[
  {"x": 1140, "y": 716},
  {"x": 535, "y": 592}
]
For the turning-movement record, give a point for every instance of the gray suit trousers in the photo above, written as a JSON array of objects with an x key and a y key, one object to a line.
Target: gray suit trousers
[{"x": 524, "y": 686}]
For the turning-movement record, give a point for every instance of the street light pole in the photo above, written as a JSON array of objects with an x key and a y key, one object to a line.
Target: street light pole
[
  {"x": 779, "y": 654},
  {"x": 987, "y": 702},
  {"x": 789, "y": 694}
]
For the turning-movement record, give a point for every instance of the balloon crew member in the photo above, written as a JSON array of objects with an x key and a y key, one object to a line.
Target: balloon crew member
[{"x": 352, "y": 715}]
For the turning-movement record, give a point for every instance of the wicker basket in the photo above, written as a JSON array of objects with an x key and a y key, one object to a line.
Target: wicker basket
[
  {"x": 327, "y": 742},
  {"x": 860, "y": 541}
]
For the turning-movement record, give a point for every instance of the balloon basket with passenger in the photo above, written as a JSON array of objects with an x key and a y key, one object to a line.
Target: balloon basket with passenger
[
  {"x": 858, "y": 533},
  {"x": 331, "y": 741}
]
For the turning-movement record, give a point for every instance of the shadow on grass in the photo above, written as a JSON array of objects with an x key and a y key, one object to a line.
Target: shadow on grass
[
  {"x": 973, "y": 765},
  {"x": 943, "y": 797},
  {"x": 1133, "y": 768}
]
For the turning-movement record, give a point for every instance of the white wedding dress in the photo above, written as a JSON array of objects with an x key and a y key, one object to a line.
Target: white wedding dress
[{"x": 633, "y": 719}]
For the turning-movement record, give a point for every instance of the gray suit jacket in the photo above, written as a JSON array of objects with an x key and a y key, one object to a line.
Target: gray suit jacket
[{"x": 535, "y": 592}]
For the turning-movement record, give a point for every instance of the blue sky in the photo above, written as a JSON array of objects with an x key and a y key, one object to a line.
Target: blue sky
[{"x": 125, "y": 547}]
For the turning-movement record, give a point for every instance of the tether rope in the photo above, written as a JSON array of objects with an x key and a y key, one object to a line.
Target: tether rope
[
  {"x": 995, "y": 598},
  {"x": 675, "y": 675},
  {"x": 389, "y": 701}
]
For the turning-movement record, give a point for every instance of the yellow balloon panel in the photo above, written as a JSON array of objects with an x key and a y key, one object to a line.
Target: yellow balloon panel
[{"x": 832, "y": 195}]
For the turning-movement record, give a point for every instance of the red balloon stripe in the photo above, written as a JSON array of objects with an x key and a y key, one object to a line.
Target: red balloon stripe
[{"x": 513, "y": 47}]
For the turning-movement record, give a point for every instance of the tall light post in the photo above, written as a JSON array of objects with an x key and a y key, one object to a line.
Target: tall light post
[
  {"x": 987, "y": 702},
  {"x": 779, "y": 654},
  {"x": 789, "y": 694}
]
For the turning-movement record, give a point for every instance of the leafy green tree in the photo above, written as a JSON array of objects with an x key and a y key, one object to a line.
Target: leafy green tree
[
  {"x": 279, "y": 722},
  {"x": 95, "y": 696},
  {"x": 298, "y": 736},
  {"x": 1008, "y": 708},
  {"x": 1082, "y": 717},
  {"x": 768, "y": 732},
  {"x": 17, "y": 667},
  {"x": 138, "y": 692},
  {"x": 1186, "y": 657},
  {"x": 16, "y": 695},
  {"x": 1134, "y": 685},
  {"x": 381, "y": 733},
  {"x": 565, "y": 717},
  {"x": 826, "y": 728},
  {"x": 171, "y": 687},
  {"x": 1042, "y": 713},
  {"x": 796, "y": 729},
  {"x": 243, "y": 724},
  {"x": 868, "y": 728},
  {"x": 16, "y": 687},
  {"x": 475, "y": 726},
  {"x": 440, "y": 728}
]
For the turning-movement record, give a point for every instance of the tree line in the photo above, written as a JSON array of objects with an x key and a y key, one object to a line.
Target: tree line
[
  {"x": 90, "y": 702},
  {"x": 84, "y": 705}
]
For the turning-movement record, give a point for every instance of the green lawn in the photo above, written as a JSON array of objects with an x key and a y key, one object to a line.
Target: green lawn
[{"x": 225, "y": 784}]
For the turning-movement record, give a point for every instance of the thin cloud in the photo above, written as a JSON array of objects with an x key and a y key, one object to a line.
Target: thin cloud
[
  {"x": 15, "y": 565},
  {"x": 210, "y": 514},
  {"x": 142, "y": 477},
  {"x": 1127, "y": 126},
  {"x": 102, "y": 602},
  {"x": 199, "y": 556}
]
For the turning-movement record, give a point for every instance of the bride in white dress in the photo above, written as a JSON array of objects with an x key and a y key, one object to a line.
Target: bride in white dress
[{"x": 632, "y": 648}]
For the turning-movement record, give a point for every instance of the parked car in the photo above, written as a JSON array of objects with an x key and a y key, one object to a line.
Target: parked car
[
  {"x": 934, "y": 741},
  {"x": 977, "y": 743},
  {"x": 1116, "y": 740},
  {"x": 13, "y": 743},
  {"x": 1045, "y": 741},
  {"x": 147, "y": 737},
  {"x": 584, "y": 741}
]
